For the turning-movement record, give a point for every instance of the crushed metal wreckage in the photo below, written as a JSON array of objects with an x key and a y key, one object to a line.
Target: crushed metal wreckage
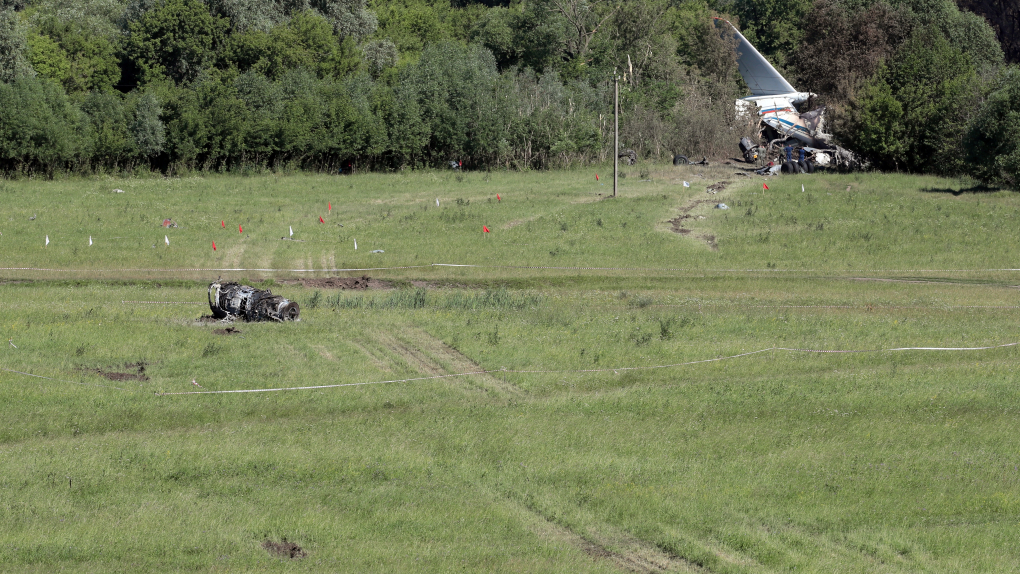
[
  {"x": 781, "y": 126},
  {"x": 232, "y": 300}
]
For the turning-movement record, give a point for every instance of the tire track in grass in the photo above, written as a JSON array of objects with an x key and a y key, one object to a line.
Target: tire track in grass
[
  {"x": 417, "y": 350},
  {"x": 624, "y": 550},
  {"x": 413, "y": 358},
  {"x": 453, "y": 361}
]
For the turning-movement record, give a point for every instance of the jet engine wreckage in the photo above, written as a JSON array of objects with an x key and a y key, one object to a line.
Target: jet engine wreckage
[
  {"x": 232, "y": 300},
  {"x": 791, "y": 141}
]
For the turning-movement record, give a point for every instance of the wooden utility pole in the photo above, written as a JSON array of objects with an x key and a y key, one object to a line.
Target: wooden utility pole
[{"x": 616, "y": 131}]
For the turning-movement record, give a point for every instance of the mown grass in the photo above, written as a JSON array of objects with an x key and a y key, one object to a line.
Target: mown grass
[
  {"x": 886, "y": 461},
  {"x": 560, "y": 219}
]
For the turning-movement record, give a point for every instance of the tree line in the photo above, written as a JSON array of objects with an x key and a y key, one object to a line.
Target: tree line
[{"x": 249, "y": 85}]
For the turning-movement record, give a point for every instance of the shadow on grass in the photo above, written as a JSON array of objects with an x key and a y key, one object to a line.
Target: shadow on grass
[{"x": 977, "y": 188}]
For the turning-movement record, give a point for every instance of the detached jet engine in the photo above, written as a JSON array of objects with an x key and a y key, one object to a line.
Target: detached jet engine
[{"x": 248, "y": 303}]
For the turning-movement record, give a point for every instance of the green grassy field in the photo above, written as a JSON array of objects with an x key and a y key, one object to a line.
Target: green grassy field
[{"x": 579, "y": 450}]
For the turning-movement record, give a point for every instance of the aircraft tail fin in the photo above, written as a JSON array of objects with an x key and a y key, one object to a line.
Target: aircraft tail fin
[{"x": 761, "y": 77}]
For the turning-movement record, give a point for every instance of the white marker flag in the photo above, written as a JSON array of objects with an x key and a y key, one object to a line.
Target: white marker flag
[
  {"x": 47, "y": 240},
  {"x": 90, "y": 240},
  {"x": 291, "y": 230},
  {"x": 802, "y": 188},
  {"x": 686, "y": 184},
  {"x": 355, "y": 244},
  {"x": 167, "y": 240},
  {"x": 437, "y": 202}
]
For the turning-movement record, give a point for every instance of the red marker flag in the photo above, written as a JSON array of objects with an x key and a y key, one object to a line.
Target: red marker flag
[
  {"x": 498, "y": 198},
  {"x": 764, "y": 187},
  {"x": 596, "y": 177},
  {"x": 330, "y": 208},
  {"x": 485, "y": 229},
  {"x": 320, "y": 219},
  {"x": 214, "y": 246},
  {"x": 222, "y": 224},
  {"x": 239, "y": 229}
]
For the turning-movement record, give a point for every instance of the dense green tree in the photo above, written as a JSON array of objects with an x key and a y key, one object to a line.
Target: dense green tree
[
  {"x": 305, "y": 41},
  {"x": 40, "y": 130},
  {"x": 454, "y": 86},
  {"x": 111, "y": 140},
  {"x": 529, "y": 37},
  {"x": 147, "y": 127},
  {"x": 13, "y": 62},
  {"x": 993, "y": 139},
  {"x": 877, "y": 128},
  {"x": 774, "y": 27},
  {"x": 935, "y": 85},
  {"x": 72, "y": 55},
  {"x": 174, "y": 40}
]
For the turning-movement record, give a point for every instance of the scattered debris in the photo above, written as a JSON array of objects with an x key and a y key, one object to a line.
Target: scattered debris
[
  {"x": 169, "y": 223},
  {"x": 284, "y": 549},
  {"x": 630, "y": 155},
  {"x": 248, "y": 303},
  {"x": 722, "y": 206},
  {"x": 682, "y": 160},
  {"x": 378, "y": 251},
  {"x": 32, "y": 218},
  {"x": 118, "y": 191},
  {"x": 227, "y": 331}
]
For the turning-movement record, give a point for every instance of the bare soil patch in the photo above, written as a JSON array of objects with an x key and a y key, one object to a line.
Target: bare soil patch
[
  {"x": 138, "y": 373},
  {"x": 343, "y": 283},
  {"x": 227, "y": 331},
  {"x": 284, "y": 549},
  {"x": 677, "y": 223},
  {"x": 717, "y": 187},
  {"x": 685, "y": 214}
]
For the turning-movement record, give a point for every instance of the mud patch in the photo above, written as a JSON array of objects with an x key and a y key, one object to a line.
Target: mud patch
[
  {"x": 343, "y": 283},
  {"x": 227, "y": 331},
  {"x": 677, "y": 223},
  {"x": 717, "y": 187},
  {"x": 138, "y": 373},
  {"x": 208, "y": 319},
  {"x": 685, "y": 214},
  {"x": 284, "y": 549}
]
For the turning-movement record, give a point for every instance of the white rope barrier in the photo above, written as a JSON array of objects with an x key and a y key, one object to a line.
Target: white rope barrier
[
  {"x": 532, "y": 371},
  {"x": 602, "y": 370}
]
